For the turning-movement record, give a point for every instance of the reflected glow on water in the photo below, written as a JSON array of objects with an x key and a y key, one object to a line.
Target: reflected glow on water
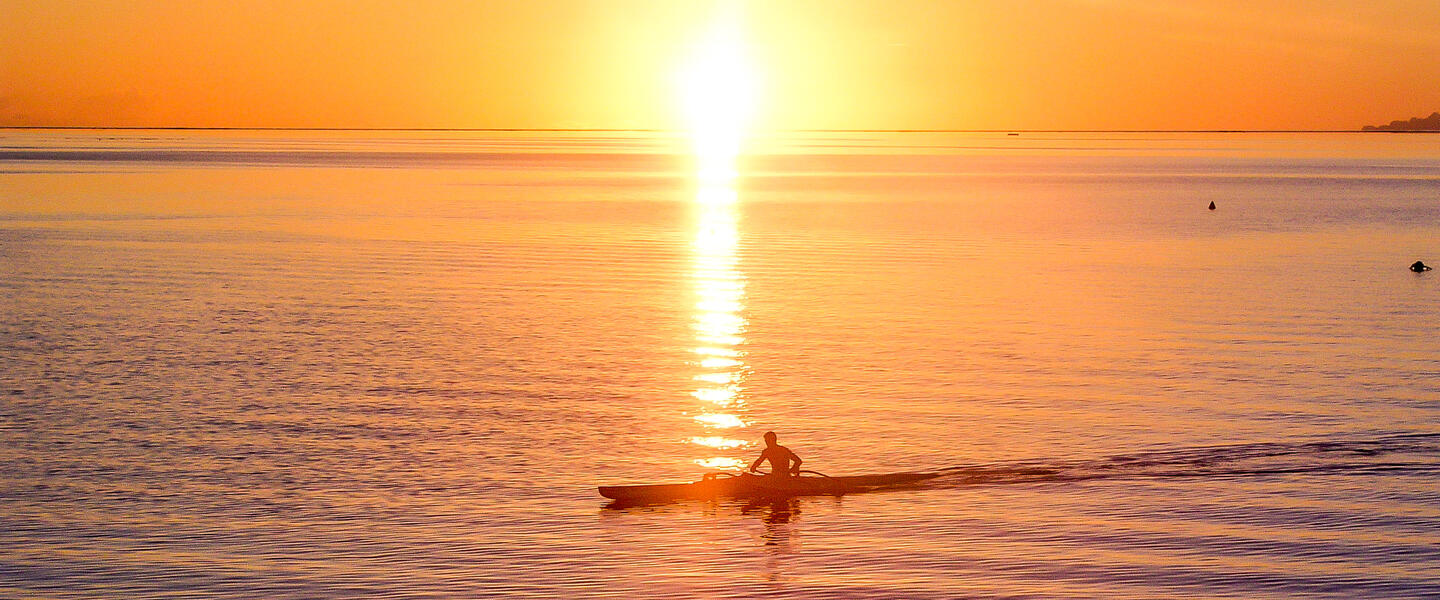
[
  {"x": 720, "y": 363},
  {"x": 715, "y": 378},
  {"x": 720, "y": 420},
  {"x": 721, "y": 463},
  {"x": 719, "y": 324},
  {"x": 719, "y": 396},
  {"x": 716, "y": 441}
]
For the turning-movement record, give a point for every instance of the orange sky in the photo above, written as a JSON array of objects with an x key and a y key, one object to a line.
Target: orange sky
[{"x": 848, "y": 64}]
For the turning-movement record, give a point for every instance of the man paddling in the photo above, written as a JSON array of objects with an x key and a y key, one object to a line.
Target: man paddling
[{"x": 783, "y": 462}]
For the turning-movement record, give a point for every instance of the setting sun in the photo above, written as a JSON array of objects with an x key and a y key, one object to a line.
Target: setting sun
[{"x": 717, "y": 87}]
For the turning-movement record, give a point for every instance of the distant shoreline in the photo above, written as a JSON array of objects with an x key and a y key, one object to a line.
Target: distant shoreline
[{"x": 1430, "y": 124}]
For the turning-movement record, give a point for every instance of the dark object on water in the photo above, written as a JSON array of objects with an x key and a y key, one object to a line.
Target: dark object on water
[
  {"x": 781, "y": 459},
  {"x": 729, "y": 485},
  {"x": 1212, "y": 205},
  {"x": 1012, "y": 134},
  {"x": 1419, "y": 267}
]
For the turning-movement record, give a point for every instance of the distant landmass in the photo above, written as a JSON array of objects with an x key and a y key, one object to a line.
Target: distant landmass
[{"x": 1430, "y": 123}]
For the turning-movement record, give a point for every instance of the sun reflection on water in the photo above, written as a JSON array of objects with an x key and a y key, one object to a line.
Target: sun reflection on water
[
  {"x": 721, "y": 463},
  {"x": 716, "y": 441},
  {"x": 718, "y": 322},
  {"x": 720, "y": 420}
]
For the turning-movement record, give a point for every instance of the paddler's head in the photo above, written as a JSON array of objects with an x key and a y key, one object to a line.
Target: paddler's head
[{"x": 770, "y": 438}]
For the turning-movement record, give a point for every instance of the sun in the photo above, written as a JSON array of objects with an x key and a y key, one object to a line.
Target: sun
[{"x": 718, "y": 93}]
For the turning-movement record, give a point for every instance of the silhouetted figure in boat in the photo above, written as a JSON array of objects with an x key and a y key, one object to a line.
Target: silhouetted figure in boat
[
  {"x": 1212, "y": 205},
  {"x": 783, "y": 462},
  {"x": 1419, "y": 267}
]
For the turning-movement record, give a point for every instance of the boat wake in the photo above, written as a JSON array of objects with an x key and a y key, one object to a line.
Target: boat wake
[{"x": 1417, "y": 454}]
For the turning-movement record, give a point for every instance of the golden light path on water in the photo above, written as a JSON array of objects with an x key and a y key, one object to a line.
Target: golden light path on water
[{"x": 718, "y": 324}]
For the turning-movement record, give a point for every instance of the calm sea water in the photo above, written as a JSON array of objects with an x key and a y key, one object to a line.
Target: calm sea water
[{"x": 396, "y": 364}]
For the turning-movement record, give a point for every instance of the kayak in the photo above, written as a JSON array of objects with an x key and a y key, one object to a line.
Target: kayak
[{"x": 729, "y": 485}]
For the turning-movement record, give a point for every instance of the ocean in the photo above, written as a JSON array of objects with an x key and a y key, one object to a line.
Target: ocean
[{"x": 396, "y": 364}]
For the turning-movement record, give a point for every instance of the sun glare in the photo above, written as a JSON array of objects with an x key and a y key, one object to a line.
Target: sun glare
[{"x": 718, "y": 92}]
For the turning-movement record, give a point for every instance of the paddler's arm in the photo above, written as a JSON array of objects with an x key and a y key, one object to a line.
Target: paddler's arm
[
  {"x": 756, "y": 464},
  {"x": 795, "y": 466}
]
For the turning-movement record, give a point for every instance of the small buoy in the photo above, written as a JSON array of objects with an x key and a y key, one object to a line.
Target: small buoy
[
  {"x": 1212, "y": 205},
  {"x": 1419, "y": 267}
]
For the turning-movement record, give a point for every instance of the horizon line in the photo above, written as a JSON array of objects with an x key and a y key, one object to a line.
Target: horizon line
[{"x": 677, "y": 131}]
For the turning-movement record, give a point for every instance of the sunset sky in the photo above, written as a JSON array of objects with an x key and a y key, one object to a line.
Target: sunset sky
[{"x": 856, "y": 64}]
